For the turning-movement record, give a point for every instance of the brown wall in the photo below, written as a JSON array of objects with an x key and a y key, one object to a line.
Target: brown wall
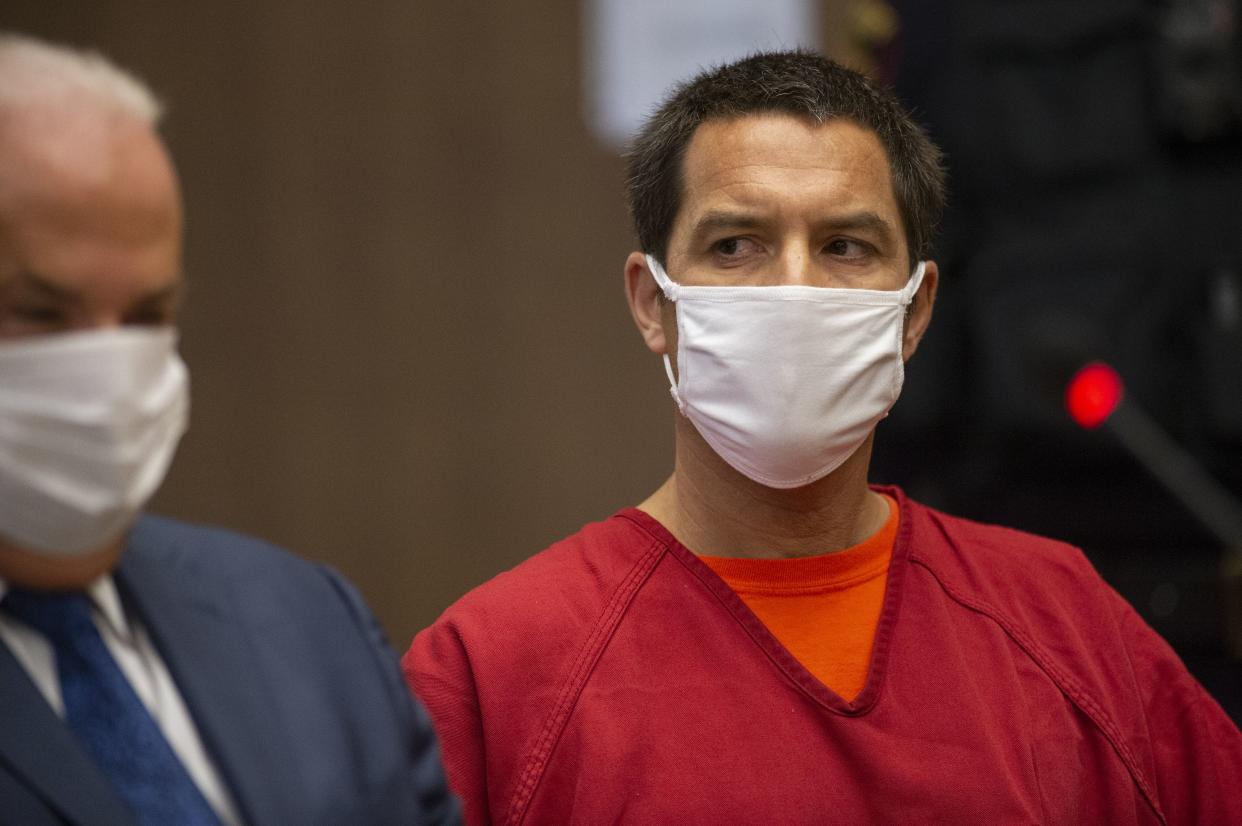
[{"x": 409, "y": 346}]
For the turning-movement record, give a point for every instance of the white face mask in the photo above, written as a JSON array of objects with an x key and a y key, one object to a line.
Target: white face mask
[
  {"x": 785, "y": 382},
  {"x": 89, "y": 422}
]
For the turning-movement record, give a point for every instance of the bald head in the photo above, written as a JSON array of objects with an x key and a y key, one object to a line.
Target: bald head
[
  {"x": 68, "y": 113},
  {"x": 90, "y": 212}
]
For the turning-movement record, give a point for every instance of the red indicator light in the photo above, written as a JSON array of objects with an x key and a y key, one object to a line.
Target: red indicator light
[{"x": 1093, "y": 394}]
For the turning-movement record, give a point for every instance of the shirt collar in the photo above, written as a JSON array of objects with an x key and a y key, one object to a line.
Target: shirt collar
[{"x": 104, "y": 599}]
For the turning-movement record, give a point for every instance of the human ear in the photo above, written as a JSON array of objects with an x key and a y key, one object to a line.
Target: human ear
[
  {"x": 921, "y": 311},
  {"x": 646, "y": 307}
]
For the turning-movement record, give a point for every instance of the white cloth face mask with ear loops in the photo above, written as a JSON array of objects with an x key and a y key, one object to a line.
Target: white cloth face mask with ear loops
[
  {"x": 786, "y": 382},
  {"x": 89, "y": 422}
]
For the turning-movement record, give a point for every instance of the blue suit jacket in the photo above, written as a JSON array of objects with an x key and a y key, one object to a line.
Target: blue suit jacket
[{"x": 295, "y": 694}]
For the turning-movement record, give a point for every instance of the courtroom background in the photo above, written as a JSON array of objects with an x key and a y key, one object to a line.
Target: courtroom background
[{"x": 409, "y": 348}]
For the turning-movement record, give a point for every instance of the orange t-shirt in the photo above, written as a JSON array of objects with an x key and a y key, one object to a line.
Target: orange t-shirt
[{"x": 824, "y": 608}]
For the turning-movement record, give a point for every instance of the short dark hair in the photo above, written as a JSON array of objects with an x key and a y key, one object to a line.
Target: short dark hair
[{"x": 795, "y": 82}]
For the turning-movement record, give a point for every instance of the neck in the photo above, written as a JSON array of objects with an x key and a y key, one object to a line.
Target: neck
[
  {"x": 715, "y": 511},
  {"x": 43, "y": 572}
]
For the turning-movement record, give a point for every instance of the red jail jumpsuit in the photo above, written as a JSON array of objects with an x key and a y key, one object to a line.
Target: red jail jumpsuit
[{"x": 615, "y": 678}]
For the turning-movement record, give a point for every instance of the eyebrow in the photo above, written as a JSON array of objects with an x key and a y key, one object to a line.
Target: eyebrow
[
  {"x": 169, "y": 292},
  {"x": 863, "y": 220},
  {"x": 716, "y": 220},
  {"x": 41, "y": 285}
]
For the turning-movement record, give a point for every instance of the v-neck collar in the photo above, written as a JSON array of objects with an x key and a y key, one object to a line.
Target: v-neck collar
[{"x": 770, "y": 645}]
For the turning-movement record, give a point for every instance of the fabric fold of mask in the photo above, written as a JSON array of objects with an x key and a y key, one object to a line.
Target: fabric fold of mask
[
  {"x": 786, "y": 382},
  {"x": 89, "y": 423}
]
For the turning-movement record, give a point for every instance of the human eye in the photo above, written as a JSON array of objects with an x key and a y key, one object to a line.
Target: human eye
[
  {"x": 732, "y": 249},
  {"x": 26, "y": 319},
  {"x": 849, "y": 249},
  {"x": 38, "y": 314},
  {"x": 150, "y": 317}
]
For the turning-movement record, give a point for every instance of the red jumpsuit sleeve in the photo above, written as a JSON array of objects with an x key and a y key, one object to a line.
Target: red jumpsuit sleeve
[
  {"x": 1196, "y": 748},
  {"x": 438, "y": 672}
]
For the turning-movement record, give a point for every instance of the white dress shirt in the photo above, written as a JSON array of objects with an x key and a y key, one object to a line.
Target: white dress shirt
[{"x": 142, "y": 665}]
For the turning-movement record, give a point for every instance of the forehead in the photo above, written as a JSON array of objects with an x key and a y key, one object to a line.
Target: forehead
[
  {"x": 779, "y": 161},
  {"x": 84, "y": 167},
  {"x": 84, "y": 199}
]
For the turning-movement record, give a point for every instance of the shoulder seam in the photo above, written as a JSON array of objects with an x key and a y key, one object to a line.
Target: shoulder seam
[
  {"x": 583, "y": 666},
  {"x": 1063, "y": 681}
]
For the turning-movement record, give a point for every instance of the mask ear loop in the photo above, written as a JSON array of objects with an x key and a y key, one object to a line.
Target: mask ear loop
[
  {"x": 672, "y": 384},
  {"x": 906, "y": 301},
  {"x": 665, "y": 283},
  {"x": 670, "y": 291},
  {"x": 907, "y": 292},
  {"x": 912, "y": 286}
]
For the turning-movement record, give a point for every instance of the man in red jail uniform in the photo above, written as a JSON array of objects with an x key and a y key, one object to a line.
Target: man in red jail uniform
[{"x": 767, "y": 638}]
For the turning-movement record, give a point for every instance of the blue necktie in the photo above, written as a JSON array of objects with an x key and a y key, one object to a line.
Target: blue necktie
[{"x": 108, "y": 718}]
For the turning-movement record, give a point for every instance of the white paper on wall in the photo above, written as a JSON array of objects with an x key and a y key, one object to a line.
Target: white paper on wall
[{"x": 634, "y": 51}]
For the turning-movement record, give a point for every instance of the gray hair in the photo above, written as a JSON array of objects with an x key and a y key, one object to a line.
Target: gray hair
[{"x": 33, "y": 72}]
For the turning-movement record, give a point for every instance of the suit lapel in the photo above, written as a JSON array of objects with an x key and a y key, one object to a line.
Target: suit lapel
[
  {"x": 36, "y": 745},
  {"x": 212, "y": 661}
]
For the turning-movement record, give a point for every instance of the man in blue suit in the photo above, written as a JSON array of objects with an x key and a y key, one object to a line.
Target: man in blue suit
[{"x": 151, "y": 672}]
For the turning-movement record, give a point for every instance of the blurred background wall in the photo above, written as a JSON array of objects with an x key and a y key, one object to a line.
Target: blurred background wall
[
  {"x": 409, "y": 347},
  {"x": 410, "y": 351}
]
